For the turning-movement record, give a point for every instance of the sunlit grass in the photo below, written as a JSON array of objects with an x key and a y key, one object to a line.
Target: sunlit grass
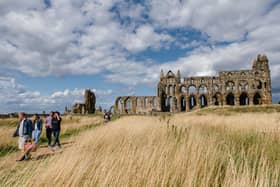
[{"x": 177, "y": 150}]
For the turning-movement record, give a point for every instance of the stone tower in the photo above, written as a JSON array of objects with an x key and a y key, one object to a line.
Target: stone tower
[
  {"x": 90, "y": 100},
  {"x": 262, "y": 81}
]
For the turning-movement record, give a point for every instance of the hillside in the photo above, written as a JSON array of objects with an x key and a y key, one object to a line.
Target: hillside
[{"x": 203, "y": 148}]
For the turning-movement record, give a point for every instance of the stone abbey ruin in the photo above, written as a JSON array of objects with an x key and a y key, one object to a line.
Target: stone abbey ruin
[
  {"x": 88, "y": 107},
  {"x": 233, "y": 88}
]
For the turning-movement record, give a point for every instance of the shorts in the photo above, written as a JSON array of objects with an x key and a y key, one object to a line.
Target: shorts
[{"x": 21, "y": 141}]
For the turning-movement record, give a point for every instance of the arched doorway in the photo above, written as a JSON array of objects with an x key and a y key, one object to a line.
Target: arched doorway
[
  {"x": 257, "y": 99},
  {"x": 192, "y": 102},
  {"x": 230, "y": 99},
  {"x": 203, "y": 101},
  {"x": 164, "y": 103},
  {"x": 128, "y": 105},
  {"x": 244, "y": 99},
  {"x": 183, "y": 104},
  {"x": 217, "y": 99}
]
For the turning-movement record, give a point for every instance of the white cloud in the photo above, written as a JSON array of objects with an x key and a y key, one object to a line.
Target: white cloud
[
  {"x": 70, "y": 38},
  {"x": 86, "y": 37},
  {"x": 14, "y": 97},
  {"x": 222, "y": 20}
]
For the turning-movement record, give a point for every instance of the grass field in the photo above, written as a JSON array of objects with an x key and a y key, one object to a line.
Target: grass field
[{"x": 210, "y": 147}]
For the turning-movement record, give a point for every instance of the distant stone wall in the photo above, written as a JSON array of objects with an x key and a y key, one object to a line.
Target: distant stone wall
[
  {"x": 88, "y": 107},
  {"x": 136, "y": 104},
  {"x": 233, "y": 88}
]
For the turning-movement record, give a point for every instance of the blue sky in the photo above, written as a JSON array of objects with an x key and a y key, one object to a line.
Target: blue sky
[{"x": 50, "y": 51}]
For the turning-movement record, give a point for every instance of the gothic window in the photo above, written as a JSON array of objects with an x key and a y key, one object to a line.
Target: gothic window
[
  {"x": 202, "y": 89},
  {"x": 230, "y": 86},
  {"x": 216, "y": 88},
  {"x": 192, "y": 89},
  {"x": 183, "y": 89}
]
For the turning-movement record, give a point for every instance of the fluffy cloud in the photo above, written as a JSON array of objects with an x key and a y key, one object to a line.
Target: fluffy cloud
[
  {"x": 222, "y": 20},
  {"x": 14, "y": 97},
  {"x": 68, "y": 37}
]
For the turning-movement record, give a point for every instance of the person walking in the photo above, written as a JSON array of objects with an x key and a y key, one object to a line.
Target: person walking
[
  {"x": 56, "y": 127},
  {"x": 48, "y": 127},
  {"x": 38, "y": 127},
  {"x": 24, "y": 131}
]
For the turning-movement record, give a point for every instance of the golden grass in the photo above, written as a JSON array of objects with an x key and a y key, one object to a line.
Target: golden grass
[{"x": 182, "y": 150}]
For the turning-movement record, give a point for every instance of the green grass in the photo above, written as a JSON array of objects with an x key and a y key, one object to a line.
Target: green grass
[
  {"x": 10, "y": 122},
  {"x": 7, "y": 149}
]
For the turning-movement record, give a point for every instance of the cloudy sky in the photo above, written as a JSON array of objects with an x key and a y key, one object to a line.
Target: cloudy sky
[{"x": 51, "y": 50}]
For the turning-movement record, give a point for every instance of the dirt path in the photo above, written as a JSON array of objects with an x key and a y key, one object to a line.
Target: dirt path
[{"x": 9, "y": 162}]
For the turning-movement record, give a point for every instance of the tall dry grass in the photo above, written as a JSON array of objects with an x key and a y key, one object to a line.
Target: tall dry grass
[{"x": 182, "y": 150}]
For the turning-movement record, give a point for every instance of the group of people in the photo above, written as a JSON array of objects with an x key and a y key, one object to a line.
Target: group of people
[
  {"x": 107, "y": 116},
  {"x": 29, "y": 132}
]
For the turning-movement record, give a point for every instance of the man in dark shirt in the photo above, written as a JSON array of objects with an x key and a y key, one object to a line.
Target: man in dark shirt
[{"x": 56, "y": 127}]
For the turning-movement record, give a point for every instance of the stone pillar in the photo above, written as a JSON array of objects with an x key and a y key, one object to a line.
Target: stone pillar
[
  {"x": 237, "y": 100},
  {"x": 123, "y": 107}
]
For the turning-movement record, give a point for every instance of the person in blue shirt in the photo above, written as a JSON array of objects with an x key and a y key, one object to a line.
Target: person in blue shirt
[
  {"x": 38, "y": 127},
  {"x": 24, "y": 132}
]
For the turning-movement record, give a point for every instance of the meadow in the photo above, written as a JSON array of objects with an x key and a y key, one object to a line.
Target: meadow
[{"x": 209, "y": 147}]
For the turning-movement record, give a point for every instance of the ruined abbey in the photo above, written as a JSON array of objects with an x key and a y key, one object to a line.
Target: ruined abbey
[
  {"x": 88, "y": 107},
  {"x": 232, "y": 88}
]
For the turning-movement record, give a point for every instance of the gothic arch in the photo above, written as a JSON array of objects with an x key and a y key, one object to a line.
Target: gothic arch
[
  {"x": 203, "y": 101},
  {"x": 230, "y": 86},
  {"x": 202, "y": 89},
  {"x": 192, "y": 89},
  {"x": 217, "y": 99},
  {"x": 257, "y": 99},
  {"x": 244, "y": 98},
  {"x": 230, "y": 99},
  {"x": 171, "y": 90},
  {"x": 119, "y": 104},
  {"x": 128, "y": 104},
  {"x": 183, "y": 103},
  {"x": 192, "y": 101},
  {"x": 183, "y": 89},
  {"x": 216, "y": 88}
]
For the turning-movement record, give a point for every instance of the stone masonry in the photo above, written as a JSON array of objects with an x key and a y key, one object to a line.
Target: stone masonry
[
  {"x": 232, "y": 88},
  {"x": 88, "y": 107}
]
